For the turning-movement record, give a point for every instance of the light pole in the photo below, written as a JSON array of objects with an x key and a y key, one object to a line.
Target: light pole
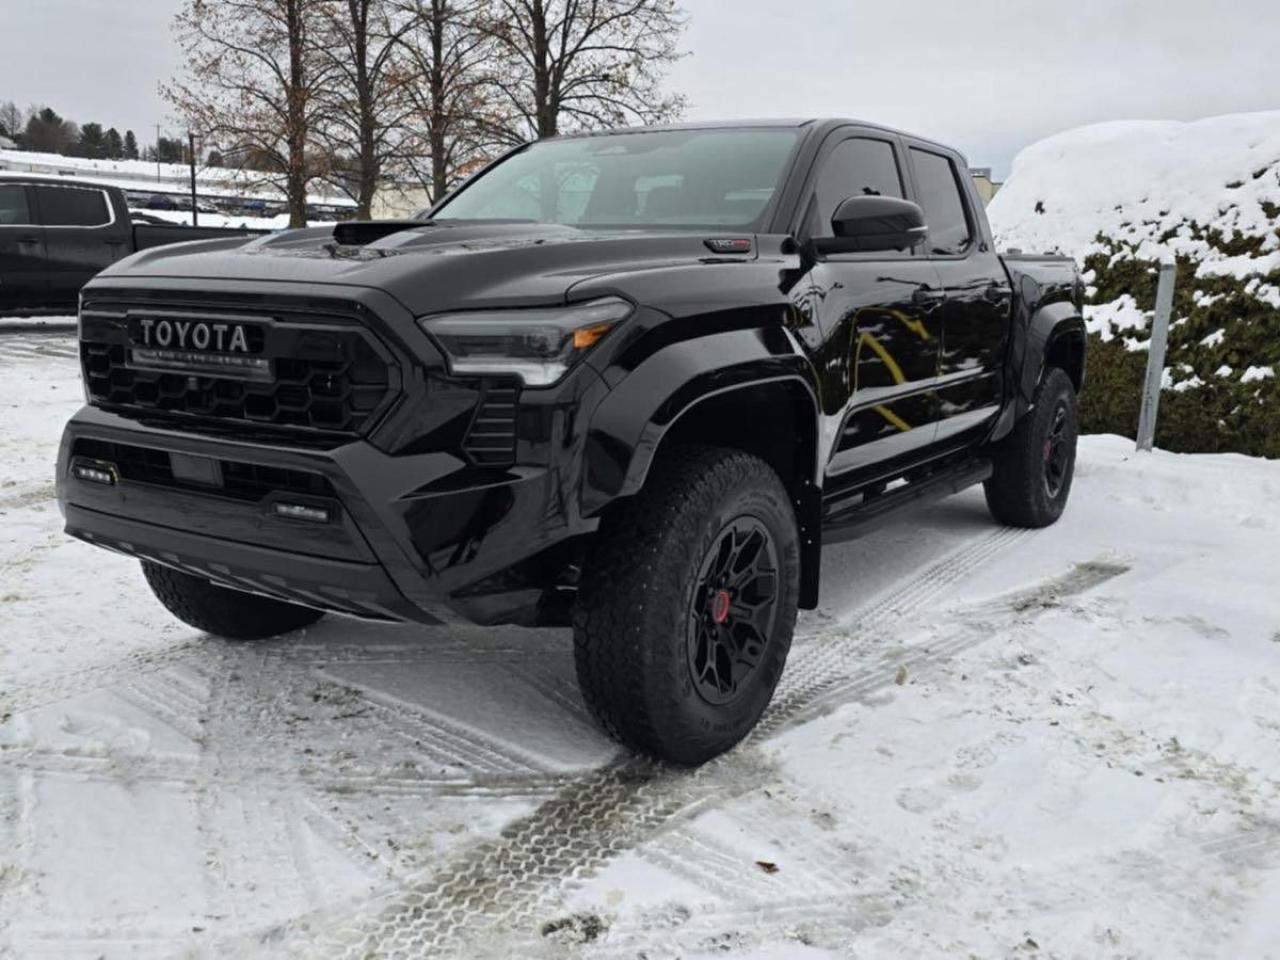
[{"x": 195, "y": 213}]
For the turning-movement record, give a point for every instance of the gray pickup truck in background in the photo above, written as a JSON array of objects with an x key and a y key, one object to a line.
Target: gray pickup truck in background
[{"x": 56, "y": 234}]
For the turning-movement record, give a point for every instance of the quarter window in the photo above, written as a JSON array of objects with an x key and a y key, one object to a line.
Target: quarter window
[
  {"x": 13, "y": 205},
  {"x": 72, "y": 207},
  {"x": 944, "y": 212},
  {"x": 856, "y": 167}
]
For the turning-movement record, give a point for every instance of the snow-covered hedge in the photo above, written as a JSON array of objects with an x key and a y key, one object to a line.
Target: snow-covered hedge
[{"x": 1119, "y": 197}]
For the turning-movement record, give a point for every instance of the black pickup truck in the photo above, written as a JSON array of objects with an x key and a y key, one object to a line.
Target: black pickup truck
[
  {"x": 56, "y": 233},
  {"x": 629, "y": 381}
]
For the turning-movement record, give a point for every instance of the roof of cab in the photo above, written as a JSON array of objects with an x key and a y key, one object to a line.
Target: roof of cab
[{"x": 764, "y": 123}]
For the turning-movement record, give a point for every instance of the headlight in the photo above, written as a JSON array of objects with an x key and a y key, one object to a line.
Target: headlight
[{"x": 538, "y": 346}]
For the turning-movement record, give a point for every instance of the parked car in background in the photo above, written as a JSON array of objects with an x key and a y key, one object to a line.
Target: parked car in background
[
  {"x": 162, "y": 201},
  {"x": 55, "y": 234}
]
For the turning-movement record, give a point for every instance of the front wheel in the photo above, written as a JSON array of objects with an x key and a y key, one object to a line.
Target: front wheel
[
  {"x": 222, "y": 611},
  {"x": 1035, "y": 464},
  {"x": 687, "y": 605}
]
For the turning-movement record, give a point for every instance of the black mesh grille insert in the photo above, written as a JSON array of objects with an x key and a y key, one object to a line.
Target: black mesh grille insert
[{"x": 323, "y": 378}]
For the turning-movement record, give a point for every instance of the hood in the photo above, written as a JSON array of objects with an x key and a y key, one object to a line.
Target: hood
[{"x": 435, "y": 267}]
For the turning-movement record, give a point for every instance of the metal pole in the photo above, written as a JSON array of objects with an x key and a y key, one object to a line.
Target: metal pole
[
  {"x": 1155, "y": 356},
  {"x": 195, "y": 213},
  {"x": 157, "y": 153}
]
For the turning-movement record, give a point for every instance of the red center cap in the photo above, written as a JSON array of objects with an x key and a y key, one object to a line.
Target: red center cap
[{"x": 720, "y": 606}]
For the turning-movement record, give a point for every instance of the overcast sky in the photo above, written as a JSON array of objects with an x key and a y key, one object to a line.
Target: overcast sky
[{"x": 985, "y": 76}]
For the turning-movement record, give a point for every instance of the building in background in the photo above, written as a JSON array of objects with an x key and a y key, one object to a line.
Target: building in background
[{"x": 987, "y": 188}]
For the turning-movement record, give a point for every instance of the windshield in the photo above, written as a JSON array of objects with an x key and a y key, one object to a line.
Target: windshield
[{"x": 682, "y": 178}]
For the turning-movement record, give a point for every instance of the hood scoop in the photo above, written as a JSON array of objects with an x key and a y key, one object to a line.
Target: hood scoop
[{"x": 357, "y": 233}]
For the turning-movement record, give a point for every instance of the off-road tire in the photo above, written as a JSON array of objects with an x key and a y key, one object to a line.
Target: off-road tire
[
  {"x": 631, "y": 622},
  {"x": 224, "y": 612},
  {"x": 1019, "y": 492}
]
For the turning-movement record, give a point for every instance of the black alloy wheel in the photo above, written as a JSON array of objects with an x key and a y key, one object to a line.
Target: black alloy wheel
[
  {"x": 1057, "y": 451},
  {"x": 735, "y": 607}
]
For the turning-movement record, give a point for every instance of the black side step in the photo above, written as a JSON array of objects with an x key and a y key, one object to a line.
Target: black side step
[{"x": 863, "y": 517}]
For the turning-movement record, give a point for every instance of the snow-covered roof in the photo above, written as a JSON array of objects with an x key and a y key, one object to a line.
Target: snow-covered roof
[{"x": 141, "y": 176}]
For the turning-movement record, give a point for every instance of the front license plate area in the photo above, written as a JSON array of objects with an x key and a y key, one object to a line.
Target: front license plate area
[{"x": 187, "y": 468}]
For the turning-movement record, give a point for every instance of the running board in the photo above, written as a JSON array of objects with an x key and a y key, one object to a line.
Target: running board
[{"x": 865, "y": 516}]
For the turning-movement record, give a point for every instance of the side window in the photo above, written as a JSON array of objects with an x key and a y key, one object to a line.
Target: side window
[
  {"x": 944, "y": 212},
  {"x": 72, "y": 207},
  {"x": 13, "y": 205},
  {"x": 856, "y": 167}
]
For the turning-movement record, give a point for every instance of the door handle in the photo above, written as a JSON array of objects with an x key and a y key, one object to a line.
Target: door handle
[
  {"x": 28, "y": 241},
  {"x": 995, "y": 293},
  {"x": 926, "y": 294}
]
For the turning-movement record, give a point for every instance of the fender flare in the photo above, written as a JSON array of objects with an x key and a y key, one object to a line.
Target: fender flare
[
  {"x": 629, "y": 425},
  {"x": 1032, "y": 344}
]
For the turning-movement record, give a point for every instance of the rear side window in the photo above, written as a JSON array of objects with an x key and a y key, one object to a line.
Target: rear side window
[
  {"x": 944, "y": 212},
  {"x": 856, "y": 167},
  {"x": 72, "y": 207},
  {"x": 13, "y": 205}
]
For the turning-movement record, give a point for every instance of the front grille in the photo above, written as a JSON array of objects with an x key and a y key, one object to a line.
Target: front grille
[
  {"x": 242, "y": 481},
  {"x": 491, "y": 438},
  {"x": 325, "y": 377}
]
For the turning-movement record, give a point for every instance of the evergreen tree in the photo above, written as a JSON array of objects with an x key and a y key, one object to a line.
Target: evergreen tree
[
  {"x": 47, "y": 132},
  {"x": 114, "y": 144},
  {"x": 130, "y": 146},
  {"x": 92, "y": 141}
]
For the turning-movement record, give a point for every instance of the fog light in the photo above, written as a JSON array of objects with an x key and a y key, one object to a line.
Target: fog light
[
  {"x": 105, "y": 475},
  {"x": 300, "y": 511}
]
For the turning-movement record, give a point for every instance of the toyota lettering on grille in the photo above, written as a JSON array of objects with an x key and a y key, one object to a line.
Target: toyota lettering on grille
[
  {"x": 213, "y": 347},
  {"x": 193, "y": 334}
]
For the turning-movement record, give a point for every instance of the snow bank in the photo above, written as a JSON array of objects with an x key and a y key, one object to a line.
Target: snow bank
[{"x": 1158, "y": 187}]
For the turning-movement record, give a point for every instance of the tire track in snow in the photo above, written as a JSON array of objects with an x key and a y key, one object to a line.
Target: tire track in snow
[{"x": 503, "y": 885}]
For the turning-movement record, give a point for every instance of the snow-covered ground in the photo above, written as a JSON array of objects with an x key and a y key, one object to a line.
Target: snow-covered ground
[
  {"x": 279, "y": 222},
  {"x": 987, "y": 743}
]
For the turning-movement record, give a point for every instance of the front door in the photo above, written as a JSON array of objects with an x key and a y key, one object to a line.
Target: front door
[
  {"x": 881, "y": 317},
  {"x": 23, "y": 268}
]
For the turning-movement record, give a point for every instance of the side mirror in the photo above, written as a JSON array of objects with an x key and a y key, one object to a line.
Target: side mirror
[{"x": 871, "y": 223}]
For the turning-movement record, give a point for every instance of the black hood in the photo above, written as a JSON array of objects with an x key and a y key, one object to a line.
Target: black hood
[{"x": 434, "y": 267}]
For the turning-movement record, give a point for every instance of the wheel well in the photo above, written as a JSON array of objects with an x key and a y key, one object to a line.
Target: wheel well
[
  {"x": 1066, "y": 350},
  {"x": 776, "y": 422}
]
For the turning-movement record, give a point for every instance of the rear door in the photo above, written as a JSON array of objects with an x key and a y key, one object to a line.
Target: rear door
[
  {"x": 23, "y": 269},
  {"x": 880, "y": 315},
  {"x": 81, "y": 235},
  {"x": 978, "y": 296}
]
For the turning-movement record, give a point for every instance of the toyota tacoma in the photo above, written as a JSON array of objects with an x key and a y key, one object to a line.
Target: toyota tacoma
[{"x": 629, "y": 381}]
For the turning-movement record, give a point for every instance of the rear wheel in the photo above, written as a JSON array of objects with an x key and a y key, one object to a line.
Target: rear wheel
[
  {"x": 1035, "y": 464},
  {"x": 687, "y": 607},
  {"x": 222, "y": 611}
]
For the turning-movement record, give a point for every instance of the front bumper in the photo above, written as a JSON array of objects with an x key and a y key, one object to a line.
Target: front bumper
[{"x": 423, "y": 537}]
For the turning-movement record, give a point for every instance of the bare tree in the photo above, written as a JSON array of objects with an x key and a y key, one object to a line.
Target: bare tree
[
  {"x": 585, "y": 63},
  {"x": 10, "y": 119},
  {"x": 369, "y": 98},
  {"x": 253, "y": 80},
  {"x": 452, "y": 60}
]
